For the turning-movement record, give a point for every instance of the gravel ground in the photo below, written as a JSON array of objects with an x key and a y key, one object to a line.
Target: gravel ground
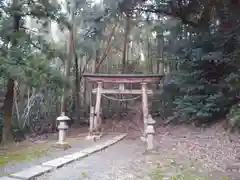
[
  {"x": 122, "y": 161},
  {"x": 211, "y": 147},
  {"x": 127, "y": 160},
  {"x": 203, "y": 153}
]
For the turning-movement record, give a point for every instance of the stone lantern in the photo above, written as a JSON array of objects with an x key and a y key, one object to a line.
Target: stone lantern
[
  {"x": 150, "y": 131},
  {"x": 62, "y": 127}
]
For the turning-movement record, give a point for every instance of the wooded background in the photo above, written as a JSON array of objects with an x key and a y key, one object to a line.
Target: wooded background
[{"x": 46, "y": 46}]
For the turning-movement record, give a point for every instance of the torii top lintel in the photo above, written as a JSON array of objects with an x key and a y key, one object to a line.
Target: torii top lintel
[{"x": 123, "y": 78}]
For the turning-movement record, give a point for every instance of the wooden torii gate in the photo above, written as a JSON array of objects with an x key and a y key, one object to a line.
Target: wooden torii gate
[{"x": 120, "y": 79}]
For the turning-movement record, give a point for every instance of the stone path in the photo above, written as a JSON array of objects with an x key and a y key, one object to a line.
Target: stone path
[
  {"x": 127, "y": 160},
  {"x": 123, "y": 161},
  {"x": 76, "y": 147}
]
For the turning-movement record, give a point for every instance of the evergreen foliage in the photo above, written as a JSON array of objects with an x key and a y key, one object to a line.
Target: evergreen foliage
[
  {"x": 205, "y": 44},
  {"x": 29, "y": 61},
  {"x": 206, "y": 84}
]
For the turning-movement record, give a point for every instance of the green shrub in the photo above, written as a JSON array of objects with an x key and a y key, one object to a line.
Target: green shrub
[{"x": 233, "y": 118}]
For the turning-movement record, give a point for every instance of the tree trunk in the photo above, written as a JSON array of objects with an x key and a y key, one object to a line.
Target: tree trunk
[
  {"x": 7, "y": 112},
  {"x": 68, "y": 66},
  {"x": 97, "y": 61},
  {"x": 160, "y": 64},
  {"x": 160, "y": 59},
  {"x": 8, "y": 101},
  {"x": 77, "y": 66},
  {"x": 70, "y": 56},
  {"x": 95, "y": 69},
  {"x": 77, "y": 89},
  {"x": 125, "y": 44}
]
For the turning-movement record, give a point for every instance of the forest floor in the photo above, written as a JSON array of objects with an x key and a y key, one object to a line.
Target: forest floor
[{"x": 184, "y": 150}]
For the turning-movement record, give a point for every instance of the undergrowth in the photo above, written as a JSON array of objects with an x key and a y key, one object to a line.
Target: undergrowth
[
  {"x": 27, "y": 152},
  {"x": 24, "y": 154},
  {"x": 182, "y": 171},
  {"x": 158, "y": 174}
]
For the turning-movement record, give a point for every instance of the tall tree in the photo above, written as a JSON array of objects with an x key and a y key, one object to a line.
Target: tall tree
[
  {"x": 8, "y": 101},
  {"x": 19, "y": 47}
]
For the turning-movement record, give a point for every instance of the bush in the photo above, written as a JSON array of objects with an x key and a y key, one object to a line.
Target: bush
[
  {"x": 233, "y": 118},
  {"x": 1, "y": 124},
  {"x": 205, "y": 86}
]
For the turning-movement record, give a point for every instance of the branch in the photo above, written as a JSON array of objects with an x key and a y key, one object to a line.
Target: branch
[
  {"x": 109, "y": 43},
  {"x": 84, "y": 68},
  {"x": 176, "y": 15},
  {"x": 182, "y": 12}
]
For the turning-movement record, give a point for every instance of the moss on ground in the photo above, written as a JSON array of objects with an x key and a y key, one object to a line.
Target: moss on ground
[
  {"x": 23, "y": 154},
  {"x": 183, "y": 171},
  {"x": 158, "y": 174},
  {"x": 27, "y": 152}
]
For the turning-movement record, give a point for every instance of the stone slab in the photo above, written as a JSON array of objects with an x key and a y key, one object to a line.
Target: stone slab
[
  {"x": 8, "y": 178},
  {"x": 120, "y": 137},
  {"x": 90, "y": 150},
  {"x": 99, "y": 146},
  {"x": 77, "y": 155},
  {"x": 30, "y": 173},
  {"x": 112, "y": 141},
  {"x": 106, "y": 144},
  {"x": 58, "y": 162}
]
